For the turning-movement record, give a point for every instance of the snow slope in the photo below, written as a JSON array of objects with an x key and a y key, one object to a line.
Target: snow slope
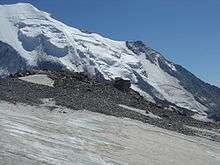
[
  {"x": 34, "y": 135},
  {"x": 43, "y": 42}
]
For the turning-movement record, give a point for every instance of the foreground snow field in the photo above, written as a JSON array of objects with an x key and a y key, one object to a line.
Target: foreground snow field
[{"x": 49, "y": 134}]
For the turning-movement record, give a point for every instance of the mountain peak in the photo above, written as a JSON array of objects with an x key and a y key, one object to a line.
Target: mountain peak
[
  {"x": 20, "y": 4},
  {"x": 43, "y": 42},
  {"x": 19, "y": 9}
]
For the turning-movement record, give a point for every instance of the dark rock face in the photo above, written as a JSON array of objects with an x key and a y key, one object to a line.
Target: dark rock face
[
  {"x": 215, "y": 116},
  {"x": 85, "y": 31},
  {"x": 139, "y": 47},
  {"x": 50, "y": 65},
  {"x": 12, "y": 63},
  {"x": 123, "y": 85}
]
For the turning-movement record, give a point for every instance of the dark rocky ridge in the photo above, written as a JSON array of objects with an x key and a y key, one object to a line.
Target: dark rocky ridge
[
  {"x": 206, "y": 94},
  {"x": 76, "y": 91}
]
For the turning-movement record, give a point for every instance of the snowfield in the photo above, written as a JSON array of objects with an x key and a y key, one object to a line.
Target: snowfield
[
  {"x": 49, "y": 134},
  {"x": 42, "y": 41}
]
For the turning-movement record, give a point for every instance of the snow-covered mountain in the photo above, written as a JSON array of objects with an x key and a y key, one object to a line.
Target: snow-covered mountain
[{"x": 30, "y": 38}]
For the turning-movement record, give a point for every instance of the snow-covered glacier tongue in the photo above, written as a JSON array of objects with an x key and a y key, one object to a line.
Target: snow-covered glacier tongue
[{"x": 42, "y": 42}]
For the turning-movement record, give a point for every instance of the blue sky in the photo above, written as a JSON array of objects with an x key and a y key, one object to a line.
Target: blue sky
[{"x": 187, "y": 32}]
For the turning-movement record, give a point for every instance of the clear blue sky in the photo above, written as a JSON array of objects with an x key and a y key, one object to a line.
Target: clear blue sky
[{"x": 185, "y": 31}]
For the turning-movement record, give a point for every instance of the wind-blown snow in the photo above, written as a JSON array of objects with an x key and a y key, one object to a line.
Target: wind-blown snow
[
  {"x": 40, "y": 135},
  {"x": 40, "y": 39}
]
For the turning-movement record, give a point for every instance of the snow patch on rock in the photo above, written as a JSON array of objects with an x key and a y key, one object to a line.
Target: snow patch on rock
[
  {"x": 143, "y": 112},
  {"x": 201, "y": 117},
  {"x": 41, "y": 79}
]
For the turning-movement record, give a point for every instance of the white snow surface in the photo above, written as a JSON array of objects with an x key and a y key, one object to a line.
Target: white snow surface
[
  {"x": 36, "y": 135},
  {"x": 39, "y": 37},
  {"x": 141, "y": 111},
  {"x": 201, "y": 117},
  {"x": 41, "y": 79}
]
